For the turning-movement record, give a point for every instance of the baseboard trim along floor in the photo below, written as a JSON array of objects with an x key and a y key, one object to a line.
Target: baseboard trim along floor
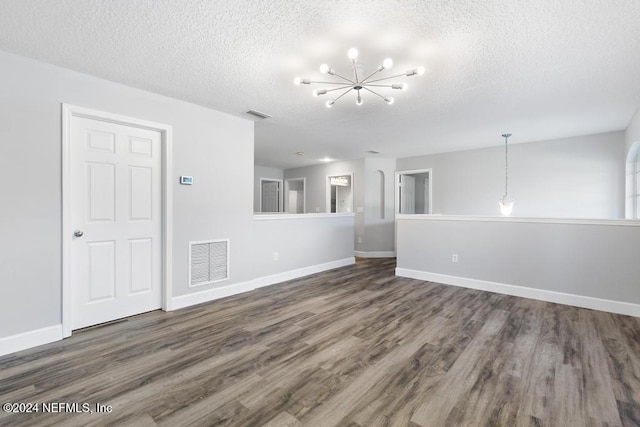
[{"x": 609, "y": 306}]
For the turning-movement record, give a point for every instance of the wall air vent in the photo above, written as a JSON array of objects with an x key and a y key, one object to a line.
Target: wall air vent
[
  {"x": 258, "y": 114},
  {"x": 208, "y": 262}
]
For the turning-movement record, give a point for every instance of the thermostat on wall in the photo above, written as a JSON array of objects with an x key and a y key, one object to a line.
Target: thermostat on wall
[{"x": 186, "y": 180}]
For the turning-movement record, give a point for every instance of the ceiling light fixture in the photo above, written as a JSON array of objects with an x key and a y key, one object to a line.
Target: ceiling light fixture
[
  {"x": 359, "y": 83},
  {"x": 506, "y": 203}
]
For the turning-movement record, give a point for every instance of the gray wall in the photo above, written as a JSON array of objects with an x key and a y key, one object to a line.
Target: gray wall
[
  {"x": 593, "y": 260},
  {"x": 374, "y": 232},
  {"x": 579, "y": 177},
  {"x": 300, "y": 241},
  {"x": 316, "y": 190},
  {"x": 217, "y": 149},
  {"x": 378, "y": 234},
  {"x": 213, "y": 147}
]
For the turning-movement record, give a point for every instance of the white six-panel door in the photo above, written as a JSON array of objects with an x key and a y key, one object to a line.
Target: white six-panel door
[{"x": 115, "y": 213}]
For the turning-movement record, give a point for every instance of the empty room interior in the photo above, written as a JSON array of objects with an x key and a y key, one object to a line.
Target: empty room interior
[{"x": 340, "y": 213}]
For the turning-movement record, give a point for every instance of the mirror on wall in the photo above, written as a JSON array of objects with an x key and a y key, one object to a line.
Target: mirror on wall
[
  {"x": 413, "y": 192},
  {"x": 340, "y": 193}
]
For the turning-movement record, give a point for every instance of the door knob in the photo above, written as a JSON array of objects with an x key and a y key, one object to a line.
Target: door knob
[{"x": 78, "y": 233}]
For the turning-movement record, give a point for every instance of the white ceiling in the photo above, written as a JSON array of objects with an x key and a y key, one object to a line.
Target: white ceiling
[{"x": 540, "y": 69}]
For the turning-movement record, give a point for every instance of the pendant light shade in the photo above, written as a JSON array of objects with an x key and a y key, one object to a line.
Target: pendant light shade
[{"x": 506, "y": 206}]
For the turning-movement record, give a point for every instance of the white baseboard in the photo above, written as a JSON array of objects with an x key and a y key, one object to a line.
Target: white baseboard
[
  {"x": 238, "y": 288},
  {"x": 301, "y": 272},
  {"x": 188, "y": 300},
  {"x": 377, "y": 254},
  {"x": 610, "y": 306},
  {"x": 30, "y": 339}
]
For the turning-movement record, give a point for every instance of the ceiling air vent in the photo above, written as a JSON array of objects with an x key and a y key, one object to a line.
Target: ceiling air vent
[{"x": 257, "y": 114}]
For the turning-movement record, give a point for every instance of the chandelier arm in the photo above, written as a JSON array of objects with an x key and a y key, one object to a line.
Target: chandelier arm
[
  {"x": 371, "y": 75},
  {"x": 384, "y": 78},
  {"x": 328, "y": 83},
  {"x": 341, "y": 87},
  {"x": 355, "y": 70},
  {"x": 343, "y": 78},
  {"x": 368, "y": 84},
  {"x": 343, "y": 94},
  {"x": 375, "y": 93}
]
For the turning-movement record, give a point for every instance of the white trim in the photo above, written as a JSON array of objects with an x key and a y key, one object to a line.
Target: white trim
[
  {"x": 376, "y": 254},
  {"x": 269, "y": 217},
  {"x": 577, "y": 221},
  {"x": 610, "y": 306},
  {"x": 301, "y": 272},
  {"x": 328, "y": 192},
  {"x": 30, "y": 339},
  {"x": 188, "y": 300},
  {"x": 280, "y": 193},
  {"x": 285, "y": 205},
  {"x": 237, "y": 288},
  {"x": 68, "y": 112}
]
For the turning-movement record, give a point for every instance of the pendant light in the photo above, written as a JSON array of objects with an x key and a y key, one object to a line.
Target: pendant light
[{"x": 506, "y": 203}]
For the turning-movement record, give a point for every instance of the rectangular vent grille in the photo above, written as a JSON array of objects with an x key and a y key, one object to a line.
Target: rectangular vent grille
[
  {"x": 258, "y": 114},
  {"x": 208, "y": 262}
]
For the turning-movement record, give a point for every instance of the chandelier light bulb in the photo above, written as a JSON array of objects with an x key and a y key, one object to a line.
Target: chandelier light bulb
[
  {"x": 318, "y": 92},
  {"x": 330, "y": 103},
  {"x": 324, "y": 68},
  {"x": 387, "y": 63},
  {"x": 389, "y": 100},
  {"x": 420, "y": 70},
  {"x": 359, "y": 99},
  {"x": 352, "y": 53},
  {"x": 297, "y": 81}
]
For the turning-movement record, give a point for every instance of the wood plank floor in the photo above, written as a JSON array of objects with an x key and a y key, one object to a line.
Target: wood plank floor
[{"x": 355, "y": 346}]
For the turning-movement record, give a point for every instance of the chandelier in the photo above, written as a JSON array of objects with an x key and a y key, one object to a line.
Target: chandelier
[
  {"x": 506, "y": 203},
  {"x": 358, "y": 83}
]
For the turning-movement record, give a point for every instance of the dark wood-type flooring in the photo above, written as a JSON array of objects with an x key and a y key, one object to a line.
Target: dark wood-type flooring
[{"x": 355, "y": 346}]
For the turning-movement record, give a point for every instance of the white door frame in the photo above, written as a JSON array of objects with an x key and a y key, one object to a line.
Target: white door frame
[
  {"x": 412, "y": 172},
  {"x": 286, "y": 193},
  {"x": 70, "y": 111},
  {"x": 280, "y": 198}
]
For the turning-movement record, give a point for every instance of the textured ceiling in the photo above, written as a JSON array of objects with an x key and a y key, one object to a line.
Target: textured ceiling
[{"x": 540, "y": 69}]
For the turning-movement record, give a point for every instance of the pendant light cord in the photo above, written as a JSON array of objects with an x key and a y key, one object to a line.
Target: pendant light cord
[{"x": 506, "y": 165}]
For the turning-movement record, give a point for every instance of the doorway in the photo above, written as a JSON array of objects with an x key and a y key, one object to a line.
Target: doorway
[
  {"x": 294, "y": 195},
  {"x": 116, "y": 210},
  {"x": 340, "y": 193},
  {"x": 414, "y": 192},
  {"x": 270, "y": 195}
]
